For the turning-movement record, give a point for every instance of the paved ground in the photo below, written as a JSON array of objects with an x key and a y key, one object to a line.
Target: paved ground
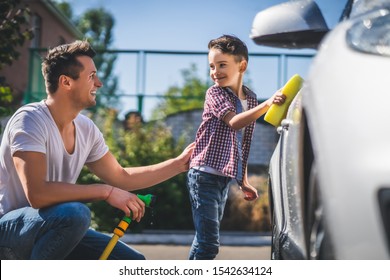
[
  {"x": 180, "y": 252},
  {"x": 165, "y": 245}
]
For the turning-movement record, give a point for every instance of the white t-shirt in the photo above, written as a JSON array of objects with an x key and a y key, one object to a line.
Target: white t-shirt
[{"x": 32, "y": 128}]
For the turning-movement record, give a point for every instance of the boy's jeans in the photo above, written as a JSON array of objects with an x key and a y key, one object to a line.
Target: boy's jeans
[
  {"x": 208, "y": 195},
  {"x": 54, "y": 233}
]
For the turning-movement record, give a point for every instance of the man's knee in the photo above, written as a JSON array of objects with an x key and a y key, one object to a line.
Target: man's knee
[
  {"x": 71, "y": 214},
  {"x": 79, "y": 214},
  {"x": 78, "y": 211}
]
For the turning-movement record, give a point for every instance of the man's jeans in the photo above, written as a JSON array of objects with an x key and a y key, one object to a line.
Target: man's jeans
[
  {"x": 208, "y": 195},
  {"x": 55, "y": 233}
]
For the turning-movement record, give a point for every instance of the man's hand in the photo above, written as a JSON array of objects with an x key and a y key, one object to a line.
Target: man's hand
[
  {"x": 129, "y": 203},
  {"x": 184, "y": 157}
]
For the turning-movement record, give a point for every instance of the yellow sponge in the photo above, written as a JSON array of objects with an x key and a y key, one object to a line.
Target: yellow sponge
[{"x": 276, "y": 113}]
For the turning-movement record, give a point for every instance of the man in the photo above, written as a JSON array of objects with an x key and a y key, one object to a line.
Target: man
[{"x": 44, "y": 147}]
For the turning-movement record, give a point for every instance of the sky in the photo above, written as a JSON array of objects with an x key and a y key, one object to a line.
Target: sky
[{"x": 184, "y": 25}]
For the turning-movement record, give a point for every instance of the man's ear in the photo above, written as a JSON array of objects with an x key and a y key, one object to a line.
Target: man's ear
[
  {"x": 64, "y": 81},
  {"x": 243, "y": 66}
]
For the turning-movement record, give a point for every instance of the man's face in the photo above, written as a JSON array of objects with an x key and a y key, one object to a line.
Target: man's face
[{"x": 84, "y": 89}]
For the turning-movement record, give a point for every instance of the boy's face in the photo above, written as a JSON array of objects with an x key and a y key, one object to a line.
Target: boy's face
[{"x": 225, "y": 71}]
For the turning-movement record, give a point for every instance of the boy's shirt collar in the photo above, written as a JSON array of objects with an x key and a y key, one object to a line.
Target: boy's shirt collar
[{"x": 246, "y": 90}]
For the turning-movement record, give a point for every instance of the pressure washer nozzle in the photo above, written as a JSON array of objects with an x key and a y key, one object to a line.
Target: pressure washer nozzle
[{"x": 149, "y": 199}]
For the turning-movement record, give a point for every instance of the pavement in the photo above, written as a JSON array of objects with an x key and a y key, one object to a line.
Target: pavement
[
  {"x": 173, "y": 245},
  {"x": 231, "y": 238},
  {"x": 180, "y": 252}
]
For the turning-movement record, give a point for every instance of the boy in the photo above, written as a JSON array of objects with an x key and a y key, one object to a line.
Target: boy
[{"x": 222, "y": 142}]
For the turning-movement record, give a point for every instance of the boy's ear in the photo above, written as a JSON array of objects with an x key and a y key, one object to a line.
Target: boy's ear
[{"x": 243, "y": 66}]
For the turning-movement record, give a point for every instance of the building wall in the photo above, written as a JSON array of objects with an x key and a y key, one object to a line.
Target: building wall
[
  {"x": 263, "y": 144},
  {"x": 53, "y": 33}
]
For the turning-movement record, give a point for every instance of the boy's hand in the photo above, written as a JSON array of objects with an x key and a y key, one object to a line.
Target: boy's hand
[
  {"x": 279, "y": 98},
  {"x": 249, "y": 191}
]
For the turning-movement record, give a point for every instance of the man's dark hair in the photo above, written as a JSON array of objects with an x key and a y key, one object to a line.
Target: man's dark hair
[
  {"x": 230, "y": 44},
  {"x": 62, "y": 60}
]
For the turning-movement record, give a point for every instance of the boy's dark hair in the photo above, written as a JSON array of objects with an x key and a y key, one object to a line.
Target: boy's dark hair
[
  {"x": 230, "y": 44},
  {"x": 62, "y": 60}
]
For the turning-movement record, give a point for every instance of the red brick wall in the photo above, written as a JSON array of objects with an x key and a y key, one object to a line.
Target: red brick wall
[{"x": 53, "y": 32}]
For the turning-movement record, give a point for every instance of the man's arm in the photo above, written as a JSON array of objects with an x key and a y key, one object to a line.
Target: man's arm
[
  {"x": 31, "y": 168},
  {"x": 134, "y": 178}
]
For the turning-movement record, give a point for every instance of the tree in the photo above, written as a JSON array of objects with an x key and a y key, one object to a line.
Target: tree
[
  {"x": 148, "y": 144},
  {"x": 14, "y": 30},
  {"x": 189, "y": 96},
  {"x": 66, "y": 9},
  {"x": 97, "y": 25},
  {"x": 13, "y": 33}
]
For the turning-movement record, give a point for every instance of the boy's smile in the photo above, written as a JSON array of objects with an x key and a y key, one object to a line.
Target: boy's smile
[{"x": 225, "y": 70}]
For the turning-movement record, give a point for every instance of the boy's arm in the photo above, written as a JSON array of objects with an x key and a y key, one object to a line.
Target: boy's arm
[
  {"x": 249, "y": 191},
  {"x": 241, "y": 120}
]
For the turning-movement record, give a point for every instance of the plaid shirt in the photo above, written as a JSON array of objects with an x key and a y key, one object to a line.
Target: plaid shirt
[{"x": 216, "y": 142}]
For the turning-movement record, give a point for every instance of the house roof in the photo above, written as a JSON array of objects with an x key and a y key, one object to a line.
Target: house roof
[{"x": 68, "y": 24}]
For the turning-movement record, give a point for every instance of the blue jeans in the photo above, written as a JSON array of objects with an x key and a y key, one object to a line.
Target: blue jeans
[
  {"x": 208, "y": 194},
  {"x": 54, "y": 233}
]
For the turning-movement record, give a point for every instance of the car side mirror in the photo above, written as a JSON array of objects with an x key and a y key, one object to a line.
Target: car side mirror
[{"x": 293, "y": 25}]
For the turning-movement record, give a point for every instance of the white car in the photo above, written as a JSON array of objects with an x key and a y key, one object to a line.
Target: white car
[{"x": 330, "y": 172}]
